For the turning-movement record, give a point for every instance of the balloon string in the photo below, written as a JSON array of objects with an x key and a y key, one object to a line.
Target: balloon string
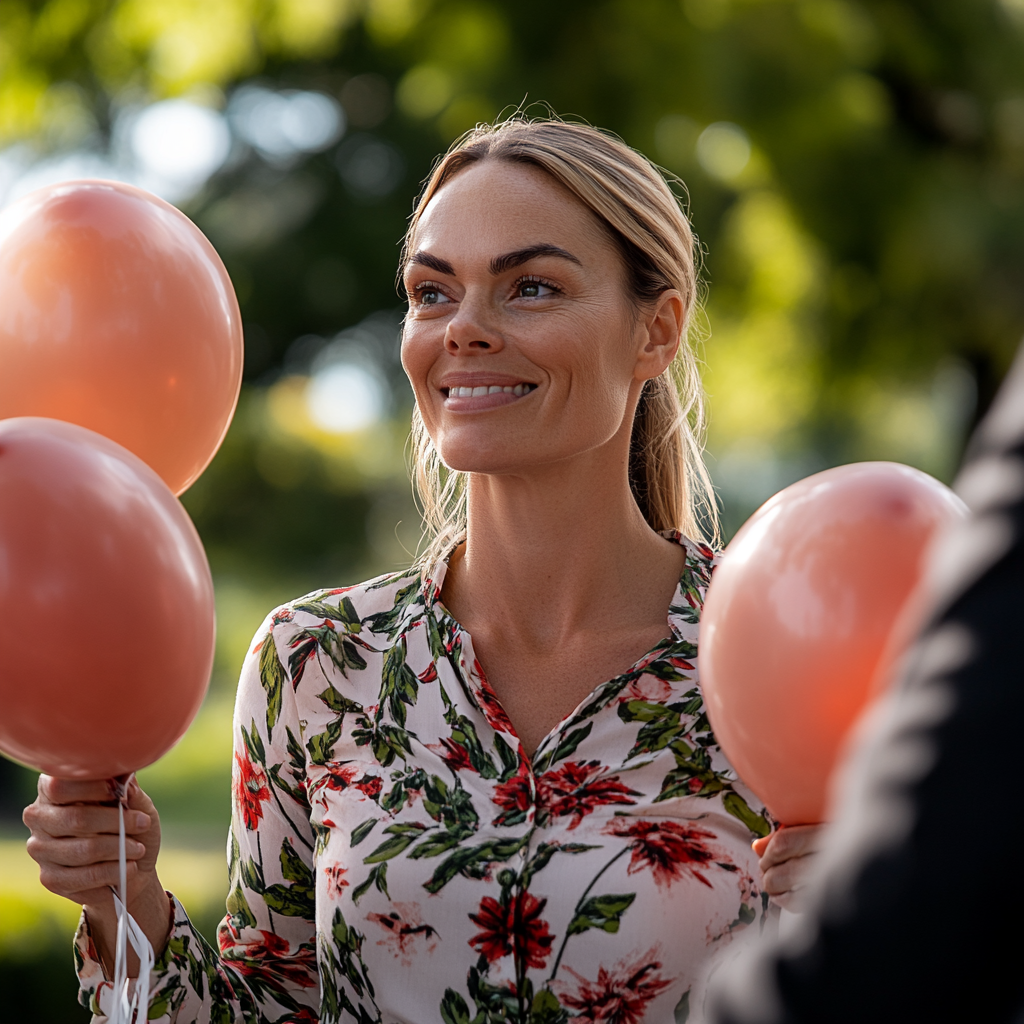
[{"x": 128, "y": 1010}]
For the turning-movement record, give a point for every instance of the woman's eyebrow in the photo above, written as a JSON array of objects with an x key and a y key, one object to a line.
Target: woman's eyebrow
[
  {"x": 426, "y": 259},
  {"x": 500, "y": 264},
  {"x": 510, "y": 260}
]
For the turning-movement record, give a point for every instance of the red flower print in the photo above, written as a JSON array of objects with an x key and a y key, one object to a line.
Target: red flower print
[
  {"x": 669, "y": 848},
  {"x": 269, "y": 957},
  {"x": 648, "y": 659},
  {"x": 342, "y": 776},
  {"x": 489, "y": 703},
  {"x": 680, "y": 663},
  {"x": 576, "y": 789},
  {"x": 514, "y": 796},
  {"x": 619, "y": 996},
  {"x": 335, "y": 879},
  {"x": 251, "y": 790},
  {"x": 405, "y": 934},
  {"x": 454, "y": 754},
  {"x": 647, "y": 688},
  {"x": 429, "y": 674},
  {"x": 513, "y": 928}
]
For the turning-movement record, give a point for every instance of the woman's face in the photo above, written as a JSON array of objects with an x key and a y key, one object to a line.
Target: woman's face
[{"x": 520, "y": 342}]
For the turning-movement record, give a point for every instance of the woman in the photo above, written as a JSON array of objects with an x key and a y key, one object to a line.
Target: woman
[{"x": 484, "y": 789}]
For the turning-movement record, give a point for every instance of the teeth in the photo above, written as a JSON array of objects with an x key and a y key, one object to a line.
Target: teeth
[{"x": 493, "y": 389}]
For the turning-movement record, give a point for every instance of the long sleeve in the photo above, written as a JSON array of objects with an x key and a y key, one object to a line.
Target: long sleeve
[{"x": 265, "y": 969}]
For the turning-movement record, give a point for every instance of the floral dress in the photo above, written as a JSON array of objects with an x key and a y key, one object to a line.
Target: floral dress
[{"x": 396, "y": 857}]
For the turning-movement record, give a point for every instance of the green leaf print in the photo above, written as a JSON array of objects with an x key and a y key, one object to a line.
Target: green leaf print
[
  {"x": 297, "y": 899},
  {"x": 293, "y": 867},
  {"x": 546, "y": 1009},
  {"x": 682, "y": 1010},
  {"x": 385, "y": 741},
  {"x": 252, "y": 874},
  {"x": 453, "y": 1008},
  {"x": 321, "y": 746},
  {"x": 343, "y": 612},
  {"x": 399, "y": 683},
  {"x": 403, "y": 836},
  {"x": 360, "y": 832},
  {"x": 545, "y": 851},
  {"x": 739, "y": 808},
  {"x": 272, "y": 679},
  {"x": 378, "y": 877},
  {"x": 388, "y": 622},
  {"x": 449, "y": 805},
  {"x": 473, "y": 861},
  {"x": 290, "y": 901},
  {"x": 339, "y": 703},
  {"x": 566, "y": 747},
  {"x": 686, "y": 613},
  {"x": 604, "y": 912},
  {"x": 238, "y": 909},
  {"x": 254, "y": 744},
  {"x": 437, "y": 843},
  {"x": 661, "y": 725}
]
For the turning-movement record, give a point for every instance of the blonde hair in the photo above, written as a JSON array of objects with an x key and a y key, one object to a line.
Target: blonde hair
[{"x": 629, "y": 195}]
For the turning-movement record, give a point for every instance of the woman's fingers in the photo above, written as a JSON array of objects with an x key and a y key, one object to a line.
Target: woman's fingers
[
  {"x": 72, "y": 820},
  {"x": 74, "y": 791},
  {"x": 785, "y": 877},
  {"x": 79, "y": 883},
  {"x": 788, "y": 843},
  {"x": 43, "y": 848}
]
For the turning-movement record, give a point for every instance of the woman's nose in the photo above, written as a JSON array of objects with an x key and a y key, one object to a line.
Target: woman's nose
[{"x": 470, "y": 331}]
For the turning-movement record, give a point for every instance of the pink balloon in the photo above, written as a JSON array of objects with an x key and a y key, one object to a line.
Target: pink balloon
[
  {"x": 117, "y": 314},
  {"x": 106, "y": 605},
  {"x": 798, "y": 617}
]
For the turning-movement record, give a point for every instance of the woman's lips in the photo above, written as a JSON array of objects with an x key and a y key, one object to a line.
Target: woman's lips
[{"x": 462, "y": 398}]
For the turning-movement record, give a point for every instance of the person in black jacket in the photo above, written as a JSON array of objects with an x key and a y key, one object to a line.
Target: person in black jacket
[{"x": 911, "y": 911}]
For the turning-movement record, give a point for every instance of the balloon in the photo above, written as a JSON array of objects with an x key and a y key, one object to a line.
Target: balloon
[
  {"x": 798, "y": 616},
  {"x": 106, "y": 605},
  {"x": 117, "y": 314}
]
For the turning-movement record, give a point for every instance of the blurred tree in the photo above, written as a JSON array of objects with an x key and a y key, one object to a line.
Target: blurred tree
[{"x": 855, "y": 171}]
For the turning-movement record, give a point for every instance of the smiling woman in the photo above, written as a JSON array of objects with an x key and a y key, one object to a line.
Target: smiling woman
[{"x": 485, "y": 789}]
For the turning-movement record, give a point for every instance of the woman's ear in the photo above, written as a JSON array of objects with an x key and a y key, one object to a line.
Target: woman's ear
[{"x": 660, "y": 332}]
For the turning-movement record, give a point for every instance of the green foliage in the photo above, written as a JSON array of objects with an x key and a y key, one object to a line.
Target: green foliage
[{"x": 855, "y": 172}]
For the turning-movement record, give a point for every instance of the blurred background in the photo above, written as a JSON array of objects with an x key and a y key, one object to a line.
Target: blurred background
[{"x": 856, "y": 177}]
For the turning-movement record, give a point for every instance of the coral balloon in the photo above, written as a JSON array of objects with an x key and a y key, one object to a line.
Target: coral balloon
[
  {"x": 798, "y": 617},
  {"x": 106, "y": 605},
  {"x": 117, "y": 314}
]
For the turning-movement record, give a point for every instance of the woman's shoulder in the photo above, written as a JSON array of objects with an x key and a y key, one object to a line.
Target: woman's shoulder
[{"x": 373, "y": 605}]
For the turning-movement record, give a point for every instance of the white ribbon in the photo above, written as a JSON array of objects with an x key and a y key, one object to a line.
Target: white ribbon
[{"x": 128, "y": 1006}]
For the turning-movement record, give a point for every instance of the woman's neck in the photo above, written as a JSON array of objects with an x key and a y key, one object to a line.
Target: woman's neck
[{"x": 559, "y": 551}]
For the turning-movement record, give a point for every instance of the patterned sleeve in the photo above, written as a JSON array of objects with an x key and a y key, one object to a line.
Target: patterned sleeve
[{"x": 266, "y": 968}]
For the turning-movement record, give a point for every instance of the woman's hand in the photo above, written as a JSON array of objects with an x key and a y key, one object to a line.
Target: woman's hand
[
  {"x": 74, "y": 841},
  {"x": 785, "y": 857}
]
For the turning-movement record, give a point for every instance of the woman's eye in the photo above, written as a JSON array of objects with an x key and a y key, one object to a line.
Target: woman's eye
[
  {"x": 528, "y": 289},
  {"x": 429, "y": 295}
]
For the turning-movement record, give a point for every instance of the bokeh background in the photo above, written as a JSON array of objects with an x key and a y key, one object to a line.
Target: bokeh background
[{"x": 855, "y": 171}]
